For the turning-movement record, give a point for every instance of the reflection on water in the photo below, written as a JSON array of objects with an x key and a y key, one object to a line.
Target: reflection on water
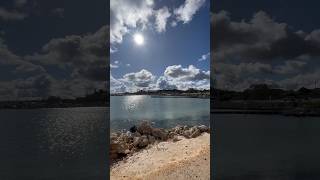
[
  {"x": 163, "y": 112},
  {"x": 265, "y": 147},
  {"x": 53, "y": 143}
]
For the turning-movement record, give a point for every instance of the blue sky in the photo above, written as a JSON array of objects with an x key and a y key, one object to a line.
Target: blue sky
[{"x": 184, "y": 44}]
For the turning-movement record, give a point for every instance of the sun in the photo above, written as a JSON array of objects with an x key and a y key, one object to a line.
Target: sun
[{"x": 138, "y": 39}]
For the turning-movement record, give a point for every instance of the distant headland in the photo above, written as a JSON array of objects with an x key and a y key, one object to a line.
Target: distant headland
[{"x": 191, "y": 93}]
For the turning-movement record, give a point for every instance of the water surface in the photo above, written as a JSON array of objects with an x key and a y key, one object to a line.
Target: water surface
[
  {"x": 164, "y": 112},
  {"x": 53, "y": 144},
  {"x": 263, "y": 147}
]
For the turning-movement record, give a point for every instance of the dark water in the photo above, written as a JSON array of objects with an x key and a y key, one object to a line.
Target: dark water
[
  {"x": 267, "y": 147},
  {"x": 53, "y": 144},
  {"x": 164, "y": 112}
]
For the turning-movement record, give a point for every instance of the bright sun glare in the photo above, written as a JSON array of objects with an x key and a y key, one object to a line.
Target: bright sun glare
[{"x": 138, "y": 39}]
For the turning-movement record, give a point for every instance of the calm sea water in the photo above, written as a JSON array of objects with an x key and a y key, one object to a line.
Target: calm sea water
[
  {"x": 164, "y": 112},
  {"x": 267, "y": 147},
  {"x": 53, "y": 144}
]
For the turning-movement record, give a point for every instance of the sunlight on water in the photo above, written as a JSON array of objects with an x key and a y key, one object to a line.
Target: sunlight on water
[
  {"x": 131, "y": 103},
  {"x": 126, "y": 111}
]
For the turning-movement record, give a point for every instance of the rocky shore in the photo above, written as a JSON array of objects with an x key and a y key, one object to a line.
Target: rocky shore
[{"x": 144, "y": 135}]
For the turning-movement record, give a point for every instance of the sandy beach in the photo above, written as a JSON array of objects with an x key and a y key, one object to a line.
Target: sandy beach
[{"x": 183, "y": 159}]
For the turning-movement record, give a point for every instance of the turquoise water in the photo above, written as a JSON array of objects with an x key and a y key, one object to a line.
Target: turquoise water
[{"x": 163, "y": 112}]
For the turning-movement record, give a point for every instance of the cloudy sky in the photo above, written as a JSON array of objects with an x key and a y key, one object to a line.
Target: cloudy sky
[
  {"x": 52, "y": 47},
  {"x": 160, "y": 44},
  {"x": 273, "y": 42}
]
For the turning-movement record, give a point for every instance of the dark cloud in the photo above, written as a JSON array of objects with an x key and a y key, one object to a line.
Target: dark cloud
[
  {"x": 262, "y": 50},
  {"x": 8, "y": 15},
  {"x": 66, "y": 67},
  {"x": 260, "y": 38},
  {"x": 59, "y": 12}
]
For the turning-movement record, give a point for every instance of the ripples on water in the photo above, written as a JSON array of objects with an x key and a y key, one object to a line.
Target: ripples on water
[
  {"x": 164, "y": 112},
  {"x": 53, "y": 143}
]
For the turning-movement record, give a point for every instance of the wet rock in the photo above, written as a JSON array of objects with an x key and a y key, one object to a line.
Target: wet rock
[
  {"x": 133, "y": 129},
  {"x": 159, "y": 134},
  {"x": 144, "y": 128}
]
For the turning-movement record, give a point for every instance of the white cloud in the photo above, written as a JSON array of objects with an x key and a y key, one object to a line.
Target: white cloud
[
  {"x": 142, "y": 78},
  {"x": 128, "y": 65},
  {"x": 114, "y": 66},
  {"x": 175, "y": 77},
  {"x": 128, "y": 14},
  {"x": 204, "y": 57},
  {"x": 162, "y": 16},
  {"x": 186, "y": 74},
  {"x": 113, "y": 50},
  {"x": 187, "y": 10},
  {"x": 173, "y": 23}
]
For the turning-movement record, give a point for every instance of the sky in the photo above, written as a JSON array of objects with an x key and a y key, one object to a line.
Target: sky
[
  {"x": 175, "y": 52},
  {"x": 271, "y": 42},
  {"x": 53, "y": 48}
]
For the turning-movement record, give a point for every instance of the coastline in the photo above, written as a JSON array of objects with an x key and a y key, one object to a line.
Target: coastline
[{"x": 146, "y": 152}]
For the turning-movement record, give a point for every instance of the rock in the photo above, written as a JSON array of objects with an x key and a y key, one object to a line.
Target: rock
[
  {"x": 175, "y": 139},
  {"x": 127, "y": 151},
  {"x": 196, "y": 132},
  {"x": 172, "y": 134},
  {"x": 187, "y": 133},
  {"x": 137, "y": 134},
  {"x": 159, "y": 134},
  {"x": 144, "y": 141},
  {"x": 133, "y": 129},
  {"x": 136, "y": 141},
  {"x": 178, "y": 129},
  {"x": 151, "y": 139},
  {"x": 144, "y": 128},
  {"x": 203, "y": 128}
]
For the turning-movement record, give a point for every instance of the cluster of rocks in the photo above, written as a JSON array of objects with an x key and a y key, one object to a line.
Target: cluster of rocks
[{"x": 123, "y": 144}]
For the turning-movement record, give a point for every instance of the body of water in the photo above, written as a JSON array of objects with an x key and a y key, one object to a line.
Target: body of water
[
  {"x": 265, "y": 147},
  {"x": 164, "y": 112},
  {"x": 53, "y": 144}
]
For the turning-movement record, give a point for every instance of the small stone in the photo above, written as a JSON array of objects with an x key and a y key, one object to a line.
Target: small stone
[{"x": 127, "y": 151}]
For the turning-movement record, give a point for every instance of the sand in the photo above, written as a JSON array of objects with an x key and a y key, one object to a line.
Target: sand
[{"x": 184, "y": 159}]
